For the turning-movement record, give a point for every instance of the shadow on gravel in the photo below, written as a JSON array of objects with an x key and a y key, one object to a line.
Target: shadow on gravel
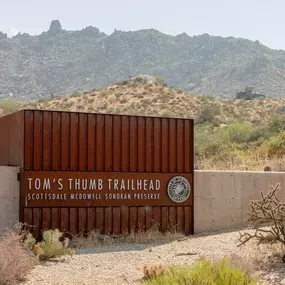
[
  {"x": 214, "y": 233},
  {"x": 273, "y": 273}
]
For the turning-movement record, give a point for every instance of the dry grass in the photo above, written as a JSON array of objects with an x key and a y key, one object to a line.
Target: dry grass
[
  {"x": 245, "y": 164},
  {"x": 244, "y": 263},
  {"x": 96, "y": 239},
  {"x": 15, "y": 262}
]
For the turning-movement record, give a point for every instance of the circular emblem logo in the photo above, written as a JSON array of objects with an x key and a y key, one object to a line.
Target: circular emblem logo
[{"x": 178, "y": 189}]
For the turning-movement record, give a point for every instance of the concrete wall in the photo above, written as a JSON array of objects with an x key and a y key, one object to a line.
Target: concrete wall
[
  {"x": 221, "y": 198},
  {"x": 9, "y": 196}
]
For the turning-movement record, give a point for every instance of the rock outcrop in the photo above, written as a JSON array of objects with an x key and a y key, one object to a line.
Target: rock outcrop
[
  {"x": 55, "y": 27},
  {"x": 61, "y": 61}
]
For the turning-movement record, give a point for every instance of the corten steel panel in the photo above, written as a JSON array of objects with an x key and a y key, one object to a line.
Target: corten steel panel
[
  {"x": 110, "y": 219},
  {"x": 12, "y": 139},
  {"x": 5, "y": 140},
  {"x": 12, "y": 143},
  {"x": 70, "y": 141}
]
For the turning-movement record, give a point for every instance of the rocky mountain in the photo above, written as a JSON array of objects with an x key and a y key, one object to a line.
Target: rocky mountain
[{"x": 60, "y": 62}]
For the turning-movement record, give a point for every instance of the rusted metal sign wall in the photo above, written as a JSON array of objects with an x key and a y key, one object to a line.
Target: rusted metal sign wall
[{"x": 109, "y": 172}]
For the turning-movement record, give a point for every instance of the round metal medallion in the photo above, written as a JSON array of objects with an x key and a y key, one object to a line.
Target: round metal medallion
[{"x": 178, "y": 189}]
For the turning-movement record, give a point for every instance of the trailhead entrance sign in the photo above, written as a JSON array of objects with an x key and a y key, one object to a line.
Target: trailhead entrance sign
[
  {"x": 113, "y": 173},
  {"x": 85, "y": 189}
]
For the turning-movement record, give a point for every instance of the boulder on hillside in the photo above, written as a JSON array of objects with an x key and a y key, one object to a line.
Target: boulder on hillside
[{"x": 143, "y": 78}]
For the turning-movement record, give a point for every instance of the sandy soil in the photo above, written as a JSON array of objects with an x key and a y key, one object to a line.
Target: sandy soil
[{"x": 123, "y": 264}]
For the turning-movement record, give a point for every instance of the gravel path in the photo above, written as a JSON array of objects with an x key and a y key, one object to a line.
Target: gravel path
[{"x": 123, "y": 264}]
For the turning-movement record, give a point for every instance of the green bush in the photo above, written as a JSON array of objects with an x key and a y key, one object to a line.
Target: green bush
[
  {"x": 277, "y": 123},
  {"x": 260, "y": 133},
  {"x": 9, "y": 105},
  {"x": 208, "y": 144},
  {"x": 207, "y": 114},
  {"x": 210, "y": 140},
  {"x": 239, "y": 132},
  {"x": 273, "y": 147},
  {"x": 50, "y": 247},
  {"x": 159, "y": 79},
  {"x": 210, "y": 97},
  {"x": 204, "y": 272}
]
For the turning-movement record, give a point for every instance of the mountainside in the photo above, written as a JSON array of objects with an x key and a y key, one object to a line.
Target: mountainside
[
  {"x": 231, "y": 134},
  {"x": 60, "y": 62},
  {"x": 144, "y": 95}
]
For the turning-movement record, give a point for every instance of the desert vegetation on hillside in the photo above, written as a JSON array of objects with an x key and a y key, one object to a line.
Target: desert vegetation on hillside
[{"x": 229, "y": 134}]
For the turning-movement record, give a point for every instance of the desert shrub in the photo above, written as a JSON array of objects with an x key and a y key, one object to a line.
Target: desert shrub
[
  {"x": 209, "y": 143},
  {"x": 224, "y": 147},
  {"x": 274, "y": 147},
  {"x": 75, "y": 94},
  {"x": 269, "y": 211},
  {"x": 123, "y": 82},
  {"x": 159, "y": 79},
  {"x": 50, "y": 247},
  {"x": 277, "y": 123},
  {"x": 210, "y": 148},
  {"x": 15, "y": 261},
  {"x": 207, "y": 114},
  {"x": 203, "y": 271},
  {"x": 123, "y": 100},
  {"x": 210, "y": 97},
  {"x": 90, "y": 101},
  {"x": 260, "y": 133},
  {"x": 10, "y": 105},
  {"x": 239, "y": 132}
]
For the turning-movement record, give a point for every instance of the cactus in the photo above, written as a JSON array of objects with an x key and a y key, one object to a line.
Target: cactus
[
  {"x": 29, "y": 242},
  {"x": 153, "y": 271},
  {"x": 50, "y": 247}
]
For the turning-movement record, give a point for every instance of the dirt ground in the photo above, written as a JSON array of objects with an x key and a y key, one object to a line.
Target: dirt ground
[{"x": 121, "y": 264}]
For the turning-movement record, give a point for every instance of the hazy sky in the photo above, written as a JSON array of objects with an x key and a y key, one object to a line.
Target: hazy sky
[{"x": 262, "y": 20}]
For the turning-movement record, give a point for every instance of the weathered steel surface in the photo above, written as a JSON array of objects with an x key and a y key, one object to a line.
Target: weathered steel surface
[
  {"x": 95, "y": 142},
  {"x": 12, "y": 139},
  {"x": 110, "y": 219},
  {"x": 128, "y": 146}
]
